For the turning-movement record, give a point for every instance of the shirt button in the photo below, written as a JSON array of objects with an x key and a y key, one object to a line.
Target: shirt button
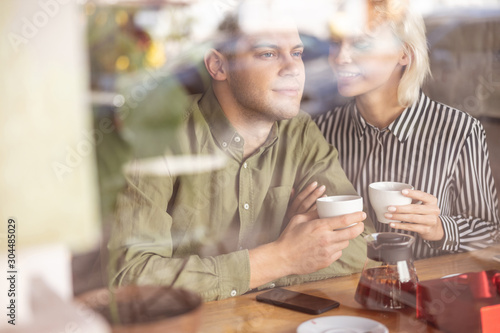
[
  {"x": 272, "y": 285},
  {"x": 237, "y": 139},
  {"x": 246, "y": 206},
  {"x": 224, "y": 144},
  {"x": 245, "y": 165},
  {"x": 233, "y": 293}
]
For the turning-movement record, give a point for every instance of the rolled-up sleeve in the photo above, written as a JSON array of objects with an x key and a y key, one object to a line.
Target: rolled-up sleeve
[
  {"x": 320, "y": 163},
  {"x": 142, "y": 247}
]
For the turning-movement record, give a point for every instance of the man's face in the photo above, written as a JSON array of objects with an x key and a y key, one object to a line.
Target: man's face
[{"x": 266, "y": 75}]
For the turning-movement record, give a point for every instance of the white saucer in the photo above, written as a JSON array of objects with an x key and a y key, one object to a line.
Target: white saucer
[{"x": 341, "y": 324}]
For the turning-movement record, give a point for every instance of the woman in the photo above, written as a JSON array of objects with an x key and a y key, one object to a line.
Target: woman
[{"x": 391, "y": 131}]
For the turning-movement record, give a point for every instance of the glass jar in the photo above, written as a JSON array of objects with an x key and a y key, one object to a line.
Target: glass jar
[{"x": 389, "y": 278}]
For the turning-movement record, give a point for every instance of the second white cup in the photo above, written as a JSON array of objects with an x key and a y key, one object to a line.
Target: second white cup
[{"x": 385, "y": 194}]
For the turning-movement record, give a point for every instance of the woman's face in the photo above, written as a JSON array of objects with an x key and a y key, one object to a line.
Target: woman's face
[{"x": 368, "y": 63}]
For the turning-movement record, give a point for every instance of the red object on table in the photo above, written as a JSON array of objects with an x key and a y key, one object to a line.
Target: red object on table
[
  {"x": 456, "y": 304},
  {"x": 490, "y": 319}
]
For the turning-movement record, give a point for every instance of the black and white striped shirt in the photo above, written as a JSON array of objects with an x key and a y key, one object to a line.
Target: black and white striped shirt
[{"x": 437, "y": 149}]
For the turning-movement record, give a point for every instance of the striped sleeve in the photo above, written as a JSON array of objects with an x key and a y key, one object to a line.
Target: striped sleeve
[{"x": 476, "y": 218}]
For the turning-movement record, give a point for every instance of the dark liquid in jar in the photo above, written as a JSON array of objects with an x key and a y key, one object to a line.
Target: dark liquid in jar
[{"x": 379, "y": 288}]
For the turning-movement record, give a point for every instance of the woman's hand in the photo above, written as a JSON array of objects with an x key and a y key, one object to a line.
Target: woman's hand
[{"x": 423, "y": 218}]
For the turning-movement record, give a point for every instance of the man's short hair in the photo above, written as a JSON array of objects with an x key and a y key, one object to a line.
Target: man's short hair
[
  {"x": 252, "y": 17},
  {"x": 228, "y": 32}
]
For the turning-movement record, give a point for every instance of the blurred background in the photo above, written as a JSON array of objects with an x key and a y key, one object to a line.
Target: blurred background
[{"x": 86, "y": 84}]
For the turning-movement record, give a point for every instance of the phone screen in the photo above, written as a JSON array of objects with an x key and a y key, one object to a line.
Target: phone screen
[{"x": 297, "y": 301}]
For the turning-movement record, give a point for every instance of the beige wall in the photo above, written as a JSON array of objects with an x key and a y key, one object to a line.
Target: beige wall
[{"x": 47, "y": 165}]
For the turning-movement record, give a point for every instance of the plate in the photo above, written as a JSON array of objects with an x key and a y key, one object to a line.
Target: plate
[{"x": 342, "y": 324}]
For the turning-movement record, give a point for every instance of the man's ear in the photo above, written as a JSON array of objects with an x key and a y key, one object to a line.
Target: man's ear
[{"x": 215, "y": 63}]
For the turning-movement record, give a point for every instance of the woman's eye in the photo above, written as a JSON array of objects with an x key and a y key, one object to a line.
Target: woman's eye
[{"x": 361, "y": 45}]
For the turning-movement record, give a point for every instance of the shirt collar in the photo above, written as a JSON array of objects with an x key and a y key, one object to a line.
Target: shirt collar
[
  {"x": 359, "y": 122},
  {"x": 403, "y": 126},
  {"x": 221, "y": 128}
]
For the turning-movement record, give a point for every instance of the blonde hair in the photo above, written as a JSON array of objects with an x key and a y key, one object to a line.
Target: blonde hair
[{"x": 409, "y": 27}]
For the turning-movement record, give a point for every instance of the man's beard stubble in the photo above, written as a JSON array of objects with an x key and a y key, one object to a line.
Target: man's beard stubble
[{"x": 255, "y": 105}]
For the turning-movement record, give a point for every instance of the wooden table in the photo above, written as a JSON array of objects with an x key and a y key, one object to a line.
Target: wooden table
[{"x": 245, "y": 314}]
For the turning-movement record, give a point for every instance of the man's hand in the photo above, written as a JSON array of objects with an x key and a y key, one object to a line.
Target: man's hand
[
  {"x": 307, "y": 245},
  {"x": 305, "y": 200},
  {"x": 424, "y": 218}
]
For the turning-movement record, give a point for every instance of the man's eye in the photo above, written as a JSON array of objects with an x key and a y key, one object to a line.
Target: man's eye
[
  {"x": 297, "y": 54},
  {"x": 267, "y": 55}
]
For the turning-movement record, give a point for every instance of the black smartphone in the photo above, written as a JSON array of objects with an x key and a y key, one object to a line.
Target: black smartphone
[{"x": 297, "y": 301}]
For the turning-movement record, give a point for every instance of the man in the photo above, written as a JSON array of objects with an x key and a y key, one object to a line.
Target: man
[{"x": 228, "y": 226}]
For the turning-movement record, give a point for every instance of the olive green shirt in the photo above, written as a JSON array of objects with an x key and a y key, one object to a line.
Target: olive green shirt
[{"x": 213, "y": 217}]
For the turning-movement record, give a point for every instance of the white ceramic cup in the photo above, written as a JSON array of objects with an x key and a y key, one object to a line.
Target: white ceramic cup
[
  {"x": 385, "y": 194},
  {"x": 339, "y": 205}
]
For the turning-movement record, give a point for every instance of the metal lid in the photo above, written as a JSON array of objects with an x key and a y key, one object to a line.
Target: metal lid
[{"x": 389, "y": 246}]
